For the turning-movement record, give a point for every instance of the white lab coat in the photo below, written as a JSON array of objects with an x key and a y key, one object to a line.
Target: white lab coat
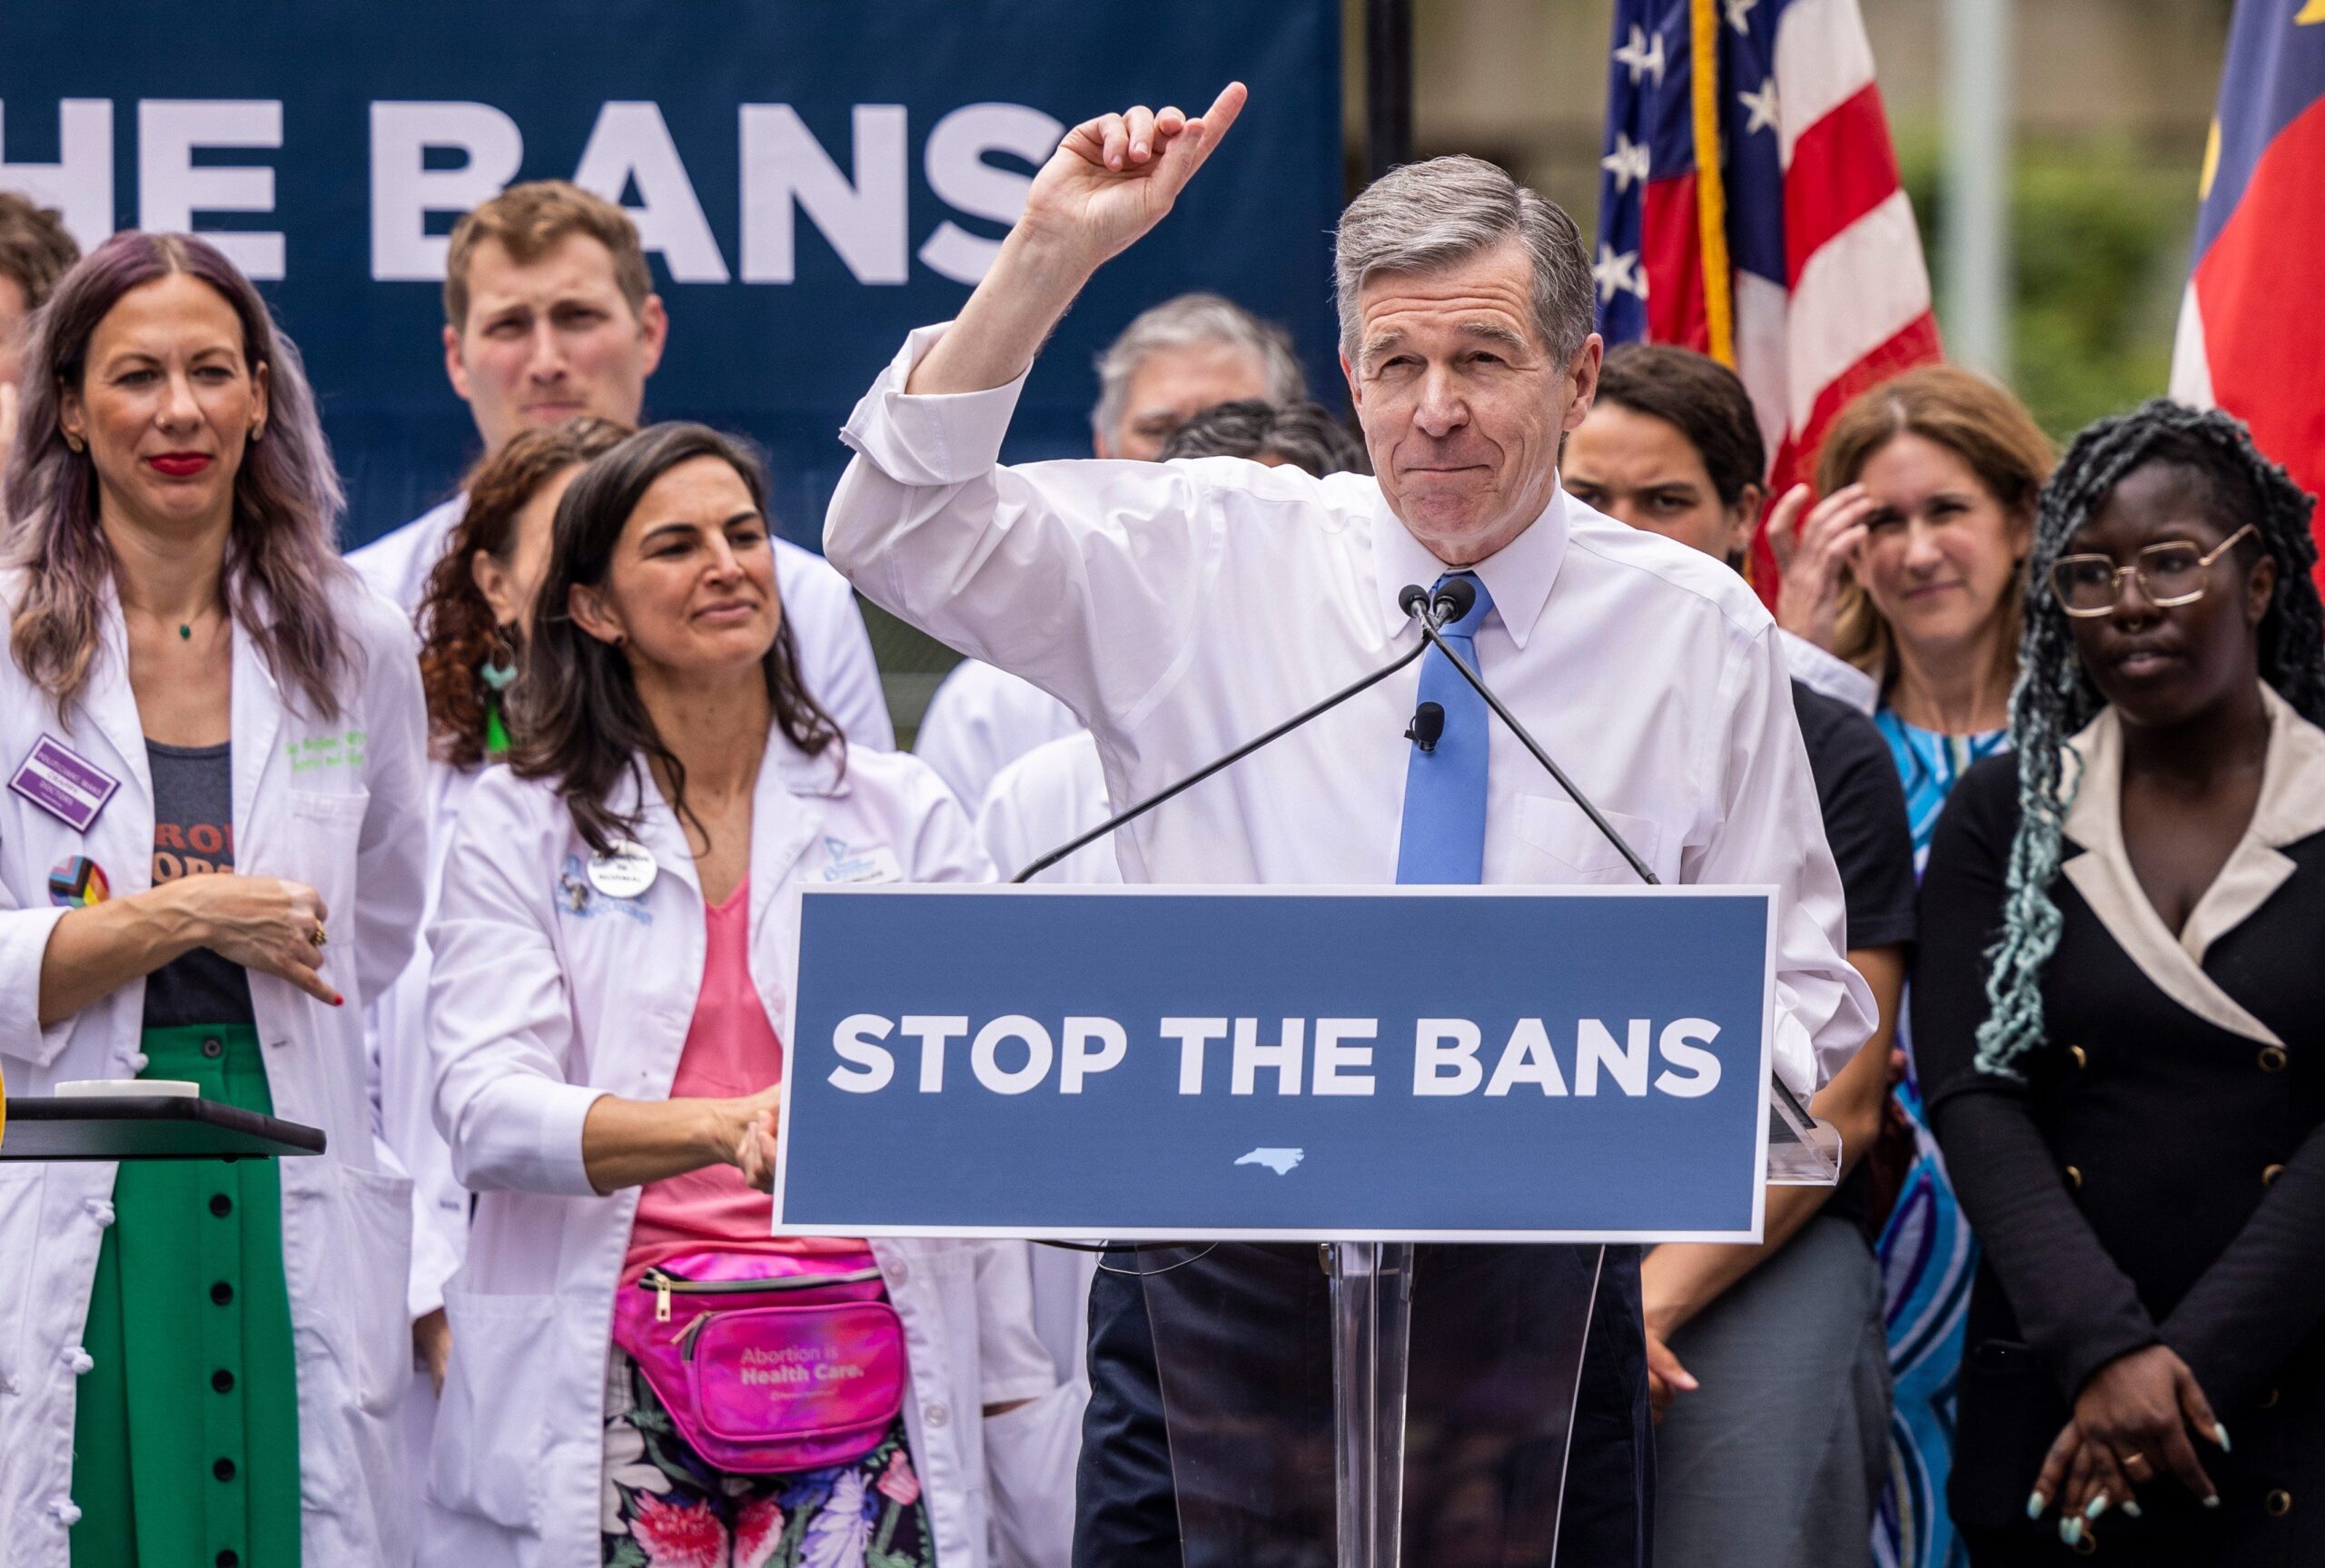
[
  {"x": 546, "y": 994},
  {"x": 1052, "y": 794},
  {"x": 836, "y": 661},
  {"x": 334, "y": 803},
  {"x": 981, "y": 720}
]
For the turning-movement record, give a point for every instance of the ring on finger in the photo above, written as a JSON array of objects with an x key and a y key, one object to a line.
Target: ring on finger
[
  {"x": 2127, "y": 1460},
  {"x": 319, "y": 937}
]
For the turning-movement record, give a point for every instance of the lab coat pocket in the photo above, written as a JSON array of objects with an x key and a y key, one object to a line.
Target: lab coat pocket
[
  {"x": 1560, "y": 844},
  {"x": 375, "y": 1217},
  {"x": 320, "y": 850},
  {"x": 492, "y": 1423},
  {"x": 1030, "y": 1454}
]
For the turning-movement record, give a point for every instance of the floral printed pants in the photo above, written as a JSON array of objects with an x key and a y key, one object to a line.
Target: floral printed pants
[{"x": 665, "y": 1506}]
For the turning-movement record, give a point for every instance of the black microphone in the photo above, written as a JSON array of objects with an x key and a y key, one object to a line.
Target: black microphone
[
  {"x": 1455, "y": 598},
  {"x": 1428, "y": 726}
]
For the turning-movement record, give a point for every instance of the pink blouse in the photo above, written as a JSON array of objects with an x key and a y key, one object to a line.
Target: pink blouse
[{"x": 730, "y": 1051}]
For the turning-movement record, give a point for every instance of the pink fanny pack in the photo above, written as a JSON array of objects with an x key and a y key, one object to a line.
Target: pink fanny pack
[{"x": 768, "y": 1364}]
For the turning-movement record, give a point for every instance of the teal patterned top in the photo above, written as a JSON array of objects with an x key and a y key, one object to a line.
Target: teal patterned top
[{"x": 1930, "y": 765}]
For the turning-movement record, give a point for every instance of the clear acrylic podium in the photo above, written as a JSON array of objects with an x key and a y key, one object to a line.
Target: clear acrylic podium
[{"x": 1404, "y": 1404}]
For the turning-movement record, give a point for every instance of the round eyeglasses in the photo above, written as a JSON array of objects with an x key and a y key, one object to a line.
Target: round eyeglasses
[{"x": 2168, "y": 574}]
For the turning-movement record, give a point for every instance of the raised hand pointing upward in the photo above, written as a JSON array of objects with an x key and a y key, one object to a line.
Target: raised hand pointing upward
[
  {"x": 1111, "y": 179},
  {"x": 1114, "y": 178}
]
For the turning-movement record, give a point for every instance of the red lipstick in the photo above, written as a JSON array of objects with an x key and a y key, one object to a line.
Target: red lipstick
[{"x": 179, "y": 465}]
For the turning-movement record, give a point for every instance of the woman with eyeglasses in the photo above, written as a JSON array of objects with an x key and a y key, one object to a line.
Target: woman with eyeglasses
[{"x": 2120, "y": 1014}]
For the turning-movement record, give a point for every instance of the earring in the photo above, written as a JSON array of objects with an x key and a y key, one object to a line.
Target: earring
[
  {"x": 498, "y": 671},
  {"x": 256, "y": 432},
  {"x": 73, "y": 441}
]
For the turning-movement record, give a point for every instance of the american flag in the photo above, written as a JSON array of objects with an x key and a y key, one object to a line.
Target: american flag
[
  {"x": 2246, "y": 342},
  {"x": 1752, "y": 211}
]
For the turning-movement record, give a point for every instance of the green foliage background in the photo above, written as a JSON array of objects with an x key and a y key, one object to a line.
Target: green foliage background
[{"x": 2100, "y": 238}]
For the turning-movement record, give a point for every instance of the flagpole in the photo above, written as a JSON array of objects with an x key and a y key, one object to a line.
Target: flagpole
[
  {"x": 1976, "y": 307},
  {"x": 1388, "y": 85}
]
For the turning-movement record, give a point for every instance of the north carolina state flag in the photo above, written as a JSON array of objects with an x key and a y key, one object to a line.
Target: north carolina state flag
[{"x": 2251, "y": 336}]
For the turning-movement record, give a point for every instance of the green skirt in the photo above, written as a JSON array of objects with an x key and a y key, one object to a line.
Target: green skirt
[{"x": 185, "y": 1438}]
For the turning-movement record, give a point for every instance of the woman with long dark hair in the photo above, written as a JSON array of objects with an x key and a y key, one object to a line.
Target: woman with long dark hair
[
  {"x": 614, "y": 945},
  {"x": 2118, "y": 1005},
  {"x": 202, "y": 1356}
]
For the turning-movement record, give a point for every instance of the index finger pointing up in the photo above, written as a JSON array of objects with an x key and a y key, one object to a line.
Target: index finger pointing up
[{"x": 1223, "y": 111}]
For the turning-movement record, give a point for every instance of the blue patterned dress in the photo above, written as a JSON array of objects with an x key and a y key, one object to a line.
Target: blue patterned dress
[{"x": 1927, "y": 1254}]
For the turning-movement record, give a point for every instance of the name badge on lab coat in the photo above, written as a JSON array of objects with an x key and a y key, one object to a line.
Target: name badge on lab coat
[
  {"x": 877, "y": 863},
  {"x": 625, "y": 870}
]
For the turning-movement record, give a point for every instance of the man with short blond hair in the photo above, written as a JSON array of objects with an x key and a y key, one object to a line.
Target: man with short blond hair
[{"x": 550, "y": 312}]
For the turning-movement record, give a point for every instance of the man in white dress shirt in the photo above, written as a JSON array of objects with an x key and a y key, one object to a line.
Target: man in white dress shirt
[
  {"x": 550, "y": 312},
  {"x": 1173, "y": 361},
  {"x": 1181, "y": 608}
]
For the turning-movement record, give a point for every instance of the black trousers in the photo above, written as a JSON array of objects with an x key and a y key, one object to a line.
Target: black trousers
[{"x": 1241, "y": 1305}]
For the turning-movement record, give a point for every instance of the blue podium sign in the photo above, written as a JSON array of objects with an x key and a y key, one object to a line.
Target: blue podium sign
[{"x": 1485, "y": 1064}]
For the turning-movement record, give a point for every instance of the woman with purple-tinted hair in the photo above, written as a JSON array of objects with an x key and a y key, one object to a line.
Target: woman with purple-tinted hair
[{"x": 211, "y": 856}]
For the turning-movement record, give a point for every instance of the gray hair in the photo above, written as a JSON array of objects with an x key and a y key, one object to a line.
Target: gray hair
[
  {"x": 1427, "y": 215},
  {"x": 1187, "y": 320}
]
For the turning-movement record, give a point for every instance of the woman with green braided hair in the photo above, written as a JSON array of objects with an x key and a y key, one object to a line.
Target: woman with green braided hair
[{"x": 2119, "y": 1008}]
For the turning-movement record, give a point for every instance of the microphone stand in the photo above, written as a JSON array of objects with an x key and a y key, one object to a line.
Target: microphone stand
[{"x": 1237, "y": 755}]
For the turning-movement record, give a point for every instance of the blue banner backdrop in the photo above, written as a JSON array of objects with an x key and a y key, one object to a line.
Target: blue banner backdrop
[
  {"x": 814, "y": 180},
  {"x": 1510, "y": 1064}
]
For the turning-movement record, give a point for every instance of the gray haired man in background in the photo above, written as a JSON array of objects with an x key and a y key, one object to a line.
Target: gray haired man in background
[
  {"x": 1181, "y": 608},
  {"x": 1179, "y": 358}
]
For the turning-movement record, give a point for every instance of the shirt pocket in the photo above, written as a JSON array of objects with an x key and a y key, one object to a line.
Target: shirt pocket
[
  {"x": 1558, "y": 844},
  {"x": 491, "y": 1425}
]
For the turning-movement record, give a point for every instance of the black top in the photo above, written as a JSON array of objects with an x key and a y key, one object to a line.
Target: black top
[
  {"x": 193, "y": 835},
  {"x": 2156, "y": 1177},
  {"x": 1863, "y": 807}
]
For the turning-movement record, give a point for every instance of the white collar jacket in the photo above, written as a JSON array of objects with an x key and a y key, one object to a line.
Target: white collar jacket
[
  {"x": 544, "y": 994},
  {"x": 332, "y": 802},
  {"x": 1181, "y": 608},
  {"x": 2291, "y": 807}
]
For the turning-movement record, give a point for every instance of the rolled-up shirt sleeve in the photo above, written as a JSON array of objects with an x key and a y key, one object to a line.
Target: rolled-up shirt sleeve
[
  {"x": 1768, "y": 829},
  {"x": 1083, "y": 577},
  {"x": 23, "y": 946}
]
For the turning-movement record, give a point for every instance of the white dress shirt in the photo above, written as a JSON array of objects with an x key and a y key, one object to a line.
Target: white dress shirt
[
  {"x": 981, "y": 720},
  {"x": 834, "y": 652},
  {"x": 1054, "y": 793},
  {"x": 1183, "y": 608}
]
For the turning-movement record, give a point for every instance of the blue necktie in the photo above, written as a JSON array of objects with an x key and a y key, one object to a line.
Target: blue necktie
[{"x": 1443, "y": 837}]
